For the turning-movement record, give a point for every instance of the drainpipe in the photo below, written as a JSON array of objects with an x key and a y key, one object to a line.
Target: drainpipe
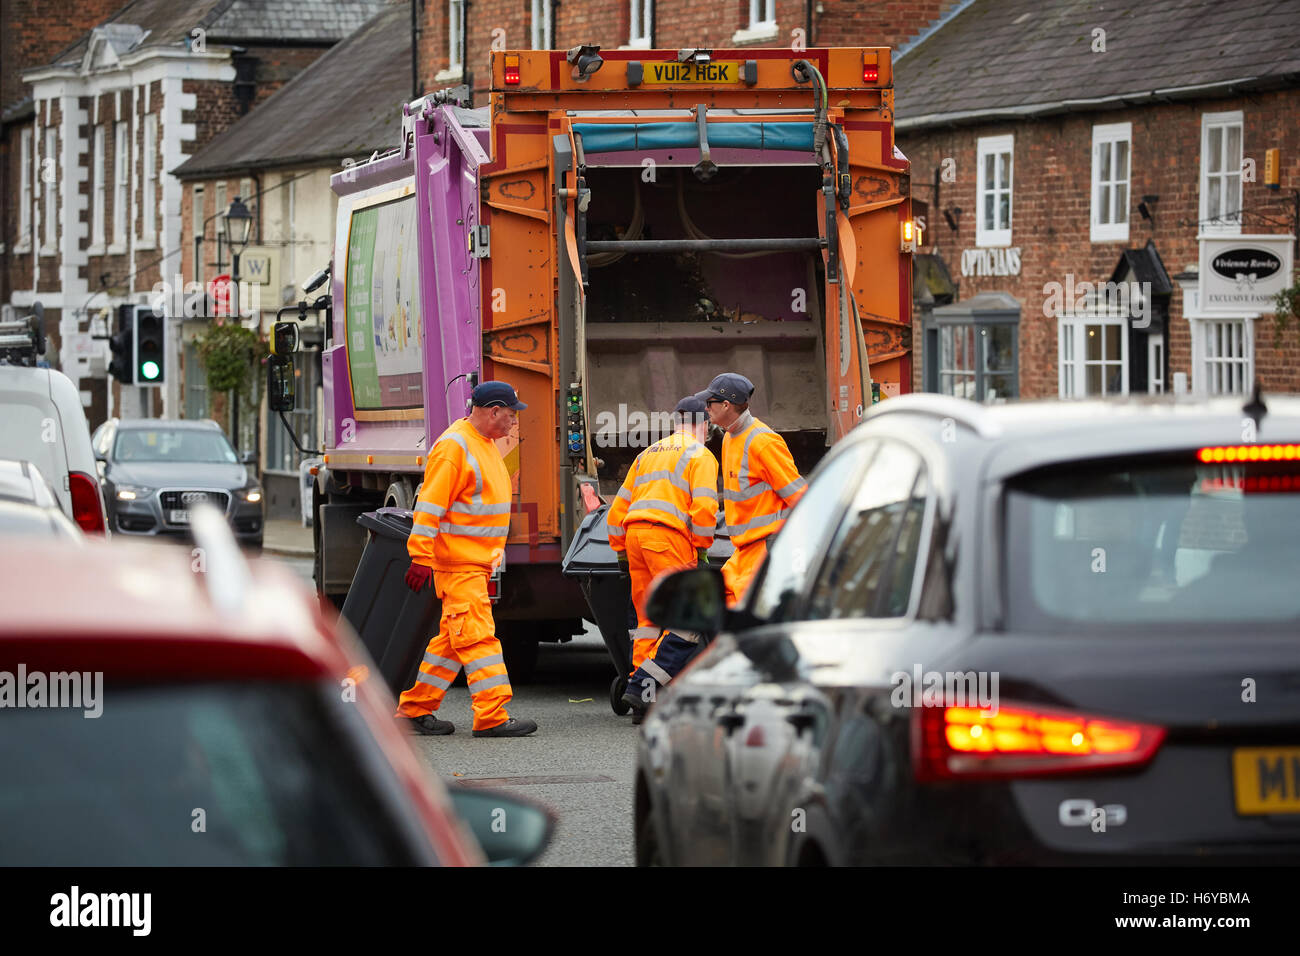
[
  {"x": 415, "y": 53},
  {"x": 466, "y": 75}
]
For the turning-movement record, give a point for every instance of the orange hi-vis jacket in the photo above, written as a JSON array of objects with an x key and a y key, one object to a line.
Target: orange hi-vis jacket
[
  {"x": 462, "y": 514},
  {"x": 760, "y": 483},
  {"x": 673, "y": 483}
]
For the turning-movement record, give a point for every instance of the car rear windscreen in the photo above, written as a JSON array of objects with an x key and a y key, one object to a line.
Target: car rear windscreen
[
  {"x": 241, "y": 774},
  {"x": 1177, "y": 542}
]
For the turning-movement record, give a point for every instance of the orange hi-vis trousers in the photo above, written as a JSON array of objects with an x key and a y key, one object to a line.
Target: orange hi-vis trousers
[
  {"x": 739, "y": 570},
  {"x": 652, "y": 550},
  {"x": 466, "y": 638}
]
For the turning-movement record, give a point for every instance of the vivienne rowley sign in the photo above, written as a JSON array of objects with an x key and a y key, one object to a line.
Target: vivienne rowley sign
[{"x": 1244, "y": 273}]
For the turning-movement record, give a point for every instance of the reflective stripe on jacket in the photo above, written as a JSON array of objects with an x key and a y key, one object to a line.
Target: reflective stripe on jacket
[
  {"x": 760, "y": 483},
  {"x": 462, "y": 514},
  {"x": 674, "y": 483}
]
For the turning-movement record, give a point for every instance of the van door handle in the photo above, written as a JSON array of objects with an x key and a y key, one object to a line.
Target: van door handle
[
  {"x": 801, "y": 721},
  {"x": 730, "y": 721}
]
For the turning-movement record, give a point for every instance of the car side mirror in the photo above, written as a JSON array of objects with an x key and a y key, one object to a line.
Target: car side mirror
[
  {"x": 248, "y": 458},
  {"x": 510, "y": 831},
  {"x": 694, "y": 599},
  {"x": 279, "y": 384}
]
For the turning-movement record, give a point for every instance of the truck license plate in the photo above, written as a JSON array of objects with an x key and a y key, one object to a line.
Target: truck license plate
[
  {"x": 1266, "y": 779},
  {"x": 667, "y": 74},
  {"x": 178, "y": 516}
]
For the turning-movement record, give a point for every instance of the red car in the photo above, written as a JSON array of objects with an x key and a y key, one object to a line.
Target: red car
[{"x": 183, "y": 708}]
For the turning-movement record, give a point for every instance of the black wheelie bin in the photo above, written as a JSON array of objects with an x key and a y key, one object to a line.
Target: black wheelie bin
[
  {"x": 608, "y": 590},
  {"x": 393, "y": 622}
]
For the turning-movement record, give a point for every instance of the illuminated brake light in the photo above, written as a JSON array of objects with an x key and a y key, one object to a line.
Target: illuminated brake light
[
  {"x": 87, "y": 509},
  {"x": 512, "y": 69},
  {"x": 1218, "y": 454},
  {"x": 1025, "y": 740},
  {"x": 870, "y": 73}
]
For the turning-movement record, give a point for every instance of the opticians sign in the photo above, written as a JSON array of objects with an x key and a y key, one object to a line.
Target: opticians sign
[{"x": 1244, "y": 273}]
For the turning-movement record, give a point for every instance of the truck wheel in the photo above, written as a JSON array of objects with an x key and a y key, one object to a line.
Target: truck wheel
[
  {"x": 520, "y": 653},
  {"x": 616, "y": 692},
  {"x": 317, "y": 573},
  {"x": 399, "y": 495}
]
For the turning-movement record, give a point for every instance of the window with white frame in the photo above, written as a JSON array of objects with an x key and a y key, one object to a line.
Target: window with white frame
[
  {"x": 149, "y": 201},
  {"x": 1111, "y": 148},
  {"x": 1092, "y": 353},
  {"x": 541, "y": 24},
  {"x": 640, "y": 22},
  {"x": 25, "y": 188},
  {"x": 197, "y": 228},
  {"x": 121, "y": 180},
  {"x": 957, "y": 360},
  {"x": 1155, "y": 365},
  {"x": 1221, "y": 151},
  {"x": 455, "y": 36},
  {"x": 762, "y": 15},
  {"x": 1226, "y": 351},
  {"x": 993, "y": 190},
  {"x": 98, "y": 196},
  {"x": 49, "y": 176}
]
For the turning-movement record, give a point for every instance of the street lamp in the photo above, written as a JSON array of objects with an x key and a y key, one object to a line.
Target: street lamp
[{"x": 238, "y": 225}]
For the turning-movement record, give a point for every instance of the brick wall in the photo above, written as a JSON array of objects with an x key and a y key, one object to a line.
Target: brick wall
[
  {"x": 677, "y": 23},
  {"x": 1051, "y": 206},
  {"x": 34, "y": 32}
]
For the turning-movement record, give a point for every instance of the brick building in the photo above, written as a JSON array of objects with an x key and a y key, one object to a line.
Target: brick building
[
  {"x": 1061, "y": 147},
  {"x": 279, "y": 158},
  {"x": 94, "y": 220},
  {"x": 455, "y": 37}
]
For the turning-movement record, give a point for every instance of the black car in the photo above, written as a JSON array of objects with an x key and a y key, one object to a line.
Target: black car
[
  {"x": 155, "y": 470},
  {"x": 1020, "y": 634}
]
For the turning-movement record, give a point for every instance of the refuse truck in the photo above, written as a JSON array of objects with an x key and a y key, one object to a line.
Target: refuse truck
[{"x": 613, "y": 229}]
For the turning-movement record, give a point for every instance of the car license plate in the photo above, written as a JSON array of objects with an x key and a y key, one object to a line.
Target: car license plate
[
  {"x": 1266, "y": 779},
  {"x": 668, "y": 74},
  {"x": 178, "y": 516}
]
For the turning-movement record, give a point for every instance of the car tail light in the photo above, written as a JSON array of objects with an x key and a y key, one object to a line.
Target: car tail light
[
  {"x": 512, "y": 69},
  {"x": 1024, "y": 740},
  {"x": 87, "y": 508}
]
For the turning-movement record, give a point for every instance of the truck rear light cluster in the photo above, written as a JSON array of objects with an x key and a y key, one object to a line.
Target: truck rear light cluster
[
  {"x": 1024, "y": 740},
  {"x": 512, "y": 69},
  {"x": 87, "y": 508},
  {"x": 870, "y": 73}
]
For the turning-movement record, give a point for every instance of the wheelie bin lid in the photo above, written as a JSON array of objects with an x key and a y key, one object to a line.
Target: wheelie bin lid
[
  {"x": 590, "y": 553},
  {"x": 390, "y": 522}
]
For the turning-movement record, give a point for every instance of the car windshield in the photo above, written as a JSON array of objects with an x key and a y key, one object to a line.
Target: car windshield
[
  {"x": 247, "y": 774},
  {"x": 173, "y": 444},
  {"x": 1184, "y": 544}
]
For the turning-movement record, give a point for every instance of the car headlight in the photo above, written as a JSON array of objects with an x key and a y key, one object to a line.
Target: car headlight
[
  {"x": 132, "y": 492},
  {"x": 251, "y": 495}
]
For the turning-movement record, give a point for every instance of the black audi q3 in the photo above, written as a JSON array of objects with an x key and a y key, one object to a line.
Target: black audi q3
[
  {"x": 155, "y": 470},
  {"x": 1041, "y": 632}
]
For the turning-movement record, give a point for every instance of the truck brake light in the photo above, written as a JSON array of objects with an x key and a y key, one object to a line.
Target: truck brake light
[
  {"x": 870, "y": 73},
  {"x": 512, "y": 69}
]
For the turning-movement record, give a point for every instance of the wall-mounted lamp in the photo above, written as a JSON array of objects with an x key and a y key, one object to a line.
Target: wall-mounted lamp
[
  {"x": 951, "y": 215},
  {"x": 1144, "y": 207}
]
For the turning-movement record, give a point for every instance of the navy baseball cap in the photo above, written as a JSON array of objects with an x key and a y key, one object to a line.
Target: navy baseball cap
[
  {"x": 691, "y": 405},
  {"x": 490, "y": 394},
  {"x": 732, "y": 387}
]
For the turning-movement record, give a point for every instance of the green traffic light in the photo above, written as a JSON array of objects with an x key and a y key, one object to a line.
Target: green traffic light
[{"x": 149, "y": 370}]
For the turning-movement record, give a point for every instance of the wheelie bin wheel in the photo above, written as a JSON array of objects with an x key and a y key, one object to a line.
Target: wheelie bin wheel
[{"x": 616, "y": 691}]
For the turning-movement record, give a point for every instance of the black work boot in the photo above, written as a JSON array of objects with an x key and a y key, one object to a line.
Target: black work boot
[
  {"x": 636, "y": 705},
  {"x": 514, "y": 727},
  {"x": 428, "y": 725}
]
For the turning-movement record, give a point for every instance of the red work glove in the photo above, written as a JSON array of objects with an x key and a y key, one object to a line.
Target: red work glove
[{"x": 417, "y": 577}]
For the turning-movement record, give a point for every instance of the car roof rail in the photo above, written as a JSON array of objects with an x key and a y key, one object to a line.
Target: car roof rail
[
  {"x": 972, "y": 415},
  {"x": 217, "y": 558}
]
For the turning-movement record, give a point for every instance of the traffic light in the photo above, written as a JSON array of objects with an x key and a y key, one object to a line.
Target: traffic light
[
  {"x": 122, "y": 345},
  {"x": 150, "y": 346}
]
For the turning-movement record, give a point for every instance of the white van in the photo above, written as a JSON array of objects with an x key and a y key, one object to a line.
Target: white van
[{"x": 42, "y": 421}]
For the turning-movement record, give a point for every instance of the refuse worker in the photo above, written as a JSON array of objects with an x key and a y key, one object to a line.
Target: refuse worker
[
  {"x": 760, "y": 483},
  {"x": 666, "y": 512},
  {"x": 462, "y": 516}
]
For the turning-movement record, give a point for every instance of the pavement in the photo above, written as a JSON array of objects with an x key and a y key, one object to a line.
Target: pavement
[{"x": 287, "y": 536}]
